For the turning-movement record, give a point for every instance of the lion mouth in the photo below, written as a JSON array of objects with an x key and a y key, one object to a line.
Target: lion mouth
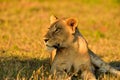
[{"x": 57, "y": 46}]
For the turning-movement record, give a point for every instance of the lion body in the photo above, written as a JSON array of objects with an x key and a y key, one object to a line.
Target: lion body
[{"x": 96, "y": 61}]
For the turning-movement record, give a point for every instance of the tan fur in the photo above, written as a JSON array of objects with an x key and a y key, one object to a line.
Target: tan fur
[
  {"x": 104, "y": 67},
  {"x": 71, "y": 49},
  {"x": 52, "y": 55}
]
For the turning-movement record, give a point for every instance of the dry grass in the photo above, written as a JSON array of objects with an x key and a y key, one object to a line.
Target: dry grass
[{"x": 24, "y": 22}]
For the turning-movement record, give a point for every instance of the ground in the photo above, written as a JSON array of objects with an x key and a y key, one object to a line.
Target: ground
[{"x": 23, "y": 24}]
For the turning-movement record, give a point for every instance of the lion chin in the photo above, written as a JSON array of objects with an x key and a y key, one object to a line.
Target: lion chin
[{"x": 49, "y": 48}]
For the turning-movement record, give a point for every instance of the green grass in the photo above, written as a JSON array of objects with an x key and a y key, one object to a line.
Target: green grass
[{"x": 23, "y": 24}]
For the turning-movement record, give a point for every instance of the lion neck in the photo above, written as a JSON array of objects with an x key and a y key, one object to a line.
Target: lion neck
[{"x": 79, "y": 42}]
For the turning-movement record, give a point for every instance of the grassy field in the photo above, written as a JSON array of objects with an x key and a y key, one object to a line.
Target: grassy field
[{"x": 23, "y": 24}]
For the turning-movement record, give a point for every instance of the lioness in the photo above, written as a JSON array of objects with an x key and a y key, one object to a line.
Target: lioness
[
  {"x": 71, "y": 49},
  {"x": 94, "y": 58}
]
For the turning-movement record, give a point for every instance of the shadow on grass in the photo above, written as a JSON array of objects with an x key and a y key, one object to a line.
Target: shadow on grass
[{"x": 12, "y": 68}]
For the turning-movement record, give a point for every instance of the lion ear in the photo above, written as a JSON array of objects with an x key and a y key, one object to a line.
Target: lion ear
[
  {"x": 53, "y": 19},
  {"x": 72, "y": 22}
]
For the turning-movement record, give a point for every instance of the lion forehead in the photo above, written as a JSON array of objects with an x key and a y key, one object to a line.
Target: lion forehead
[{"x": 56, "y": 24}]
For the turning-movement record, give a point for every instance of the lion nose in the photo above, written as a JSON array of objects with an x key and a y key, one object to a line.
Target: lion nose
[{"x": 46, "y": 39}]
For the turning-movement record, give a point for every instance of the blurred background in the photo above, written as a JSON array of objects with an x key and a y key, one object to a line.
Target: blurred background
[{"x": 23, "y": 24}]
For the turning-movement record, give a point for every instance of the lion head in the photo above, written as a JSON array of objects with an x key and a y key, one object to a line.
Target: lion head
[{"x": 61, "y": 32}]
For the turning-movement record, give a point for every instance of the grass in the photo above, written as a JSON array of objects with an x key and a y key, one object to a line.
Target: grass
[{"x": 23, "y": 24}]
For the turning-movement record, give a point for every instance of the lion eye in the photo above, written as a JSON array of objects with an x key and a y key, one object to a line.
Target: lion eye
[{"x": 57, "y": 30}]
